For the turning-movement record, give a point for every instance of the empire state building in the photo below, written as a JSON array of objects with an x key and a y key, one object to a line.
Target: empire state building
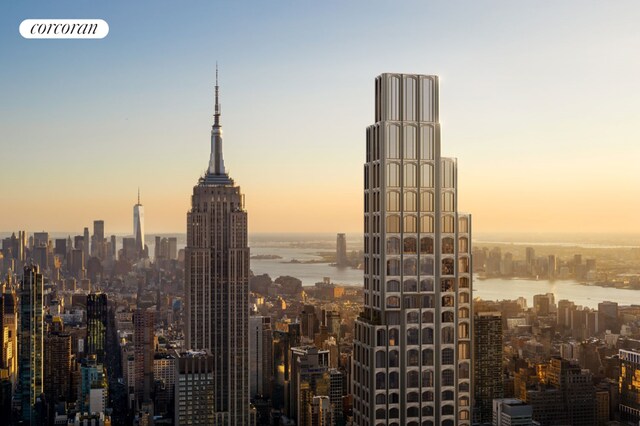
[{"x": 217, "y": 282}]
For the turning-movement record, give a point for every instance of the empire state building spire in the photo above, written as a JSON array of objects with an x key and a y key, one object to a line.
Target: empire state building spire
[{"x": 216, "y": 162}]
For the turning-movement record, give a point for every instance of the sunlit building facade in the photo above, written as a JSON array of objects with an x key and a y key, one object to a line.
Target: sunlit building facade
[
  {"x": 412, "y": 347},
  {"x": 217, "y": 282},
  {"x": 629, "y": 385}
]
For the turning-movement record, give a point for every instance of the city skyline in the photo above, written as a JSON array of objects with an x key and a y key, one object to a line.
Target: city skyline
[{"x": 527, "y": 112}]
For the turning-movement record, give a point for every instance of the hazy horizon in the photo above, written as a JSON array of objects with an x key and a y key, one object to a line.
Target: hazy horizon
[{"x": 538, "y": 101}]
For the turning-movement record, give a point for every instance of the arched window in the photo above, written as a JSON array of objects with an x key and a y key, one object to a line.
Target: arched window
[
  {"x": 463, "y": 313},
  {"x": 393, "y": 355},
  {"x": 426, "y": 175},
  {"x": 427, "y": 317},
  {"x": 413, "y": 358},
  {"x": 393, "y": 201},
  {"x": 381, "y": 399},
  {"x": 447, "y": 245},
  {"x": 447, "y": 266},
  {"x": 380, "y": 380},
  {"x": 463, "y": 401},
  {"x": 447, "y": 335},
  {"x": 393, "y": 267},
  {"x": 427, "y": 396},
  {"x": 448, "y": 224},
  {"x": 427, "y": 422},
  {"x": 426, "y": 245},
  {"x": 410, "y": 201},
  {"x": 426, "y": 132},
  {"x": 426, "y": 201},
  {"x": 463, "y": 350},
  {"x": 464, "y": 297},
  {"x": 464, "y": 415},
  {"x": 427, "y": 411},
  {"x": 413, "y": 397},
  {"x": 447, "y": 395},
  {"x": 394, "y": 398},
  {"x": 393, "y": 285},
  {"x": 447, "y": 410},
  {"x": 393, "y": 175},
  {"x": 410, "y": 245},
  {"x": 464, "y": 282},
  {"x": 427, "y": 357},
  {"x": 380, "y": 414},
  {"x": 393, "y": 302},
  {"x": 447, "y": 356},
  {"x": 447, "y": 284},
  {"x": 410, "y": 285},
  {"x": 413, "y": 318},
  {"x": 426, "y": 266},
  {"x": 410, "y": 139},
  {"x": 447, "y": 201},
  {"x": 393, "y": 245},
  {"x": 381, "y": 338},
  {"x": 448, "y": 422},
  {"x": 410, "y": 224},
  {"x": 427, "y": 336},
  {"x": 394, "y": 412},
  {"x": 448, "y": 301},
  {"x": 426, "y": 224},
  {"x": 426, "y": 284},
  {"x": 410, "y": 266},
  {"x": 447, "y": 316},
  {"x": 463, "y": 330},
  {"x": 463, "y": 265},
  {"x": 410, "y": 174},
  {"x": 464, "y": 225},
  {"x": 463, "y": 387},
  {"x": 427, "y": 301},
  {"x": 413, "y": 379},
  {"x": 381, "y": 361},
  {"x": 412, "y": 336},
  {"x": 463, "y": 370},
  {"x": 393, "y": 223},
  {"x": 393, "y": 141},
  {"x": 463, "y": 245},
  {"x": 393, "y": 380},
  {"x": 427, "y": 378}
]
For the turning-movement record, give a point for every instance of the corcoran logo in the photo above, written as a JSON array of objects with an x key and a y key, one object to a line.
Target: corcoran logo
[{"x": 64, "y": 28}]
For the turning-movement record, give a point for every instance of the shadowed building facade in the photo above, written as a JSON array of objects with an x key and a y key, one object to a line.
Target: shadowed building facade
[
  {"x": 217, "y": 282},
  {"x": 412, "y": 346}
]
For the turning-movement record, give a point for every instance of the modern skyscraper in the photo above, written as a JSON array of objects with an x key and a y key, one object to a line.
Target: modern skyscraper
[
  {"x": 138, "y": 225},
  {"x": 487, "y": 361},
  {"x": 629, "y": 386},
  {"x": 217, "y": 281},
  {"x": 30, "y": 351},
  {"x": 97, "y": 320},
  {"x": 412, "y": 347},
  {"x": 143, "y": 342},
  {"x": 57, "y": 364},
  {"x": 260, "y": 356},
  {"x": 97, "y": 243}
]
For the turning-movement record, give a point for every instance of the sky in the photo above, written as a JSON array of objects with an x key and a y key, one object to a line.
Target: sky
[{"x": 539, "y": 101}]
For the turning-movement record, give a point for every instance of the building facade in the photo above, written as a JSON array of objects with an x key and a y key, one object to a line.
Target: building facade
[
  {"x": 629, "y": 386},
  {"x": 217, "y": 282},
  {"x": 412, "y": 348},
  {"x": 31, "y": 337},
  {"x": 487, "y": 361},
  {"x": 195, "y": 389},
  {"x": 97, "y": 319}
]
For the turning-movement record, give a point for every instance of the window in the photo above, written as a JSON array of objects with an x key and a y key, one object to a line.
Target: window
[
  {"x": 447, "y": 356},
  {"x": 447, "y": 284},
  {"x": 393, "y": 302},
  {"x": 413, "y": 359},
  {"x": 463, "y": 370},
  {"x": 393, "y": 245},
  {"x": 393, "y": 285},
  {"x": 427, "y": 317},
  {"x": 410, "y": 225},
  {"x": 447, "y": 246},
  {"x": 426, "y": 99},
  {"x": 427, "y": 357},
  {"x": 381, "y": 338},
  {"x": 447, "y": 316},
  {"x": 409, "y": 266},
  {"x": 410, "y": 175},
  {"x": 412, "y": 336},
  {"x": 464, "y": 225},
  {"x": 426, "y": 201},
  {"x": 413, "y": 379},
  {"x": 381, "y": 359},
  {"x": 426, "y": 175},
  {"x": 463, "y": 350},
  {"x": 426, "y": 284},
  {"x": 427, "y": 301},
  {"x": 426, "y": 224},
  {"x": 381, "y": 399},
  {"x": 381, "y": 413},
  {"x": 463, "y": 245},
  {"x": 410, "y": 286},
  {"x": 463, "y": 313},
  {"x": 413, "y": 397},
  {"x": 463, "y": 265},
  {"x": 447, "y": 335},
  {"x": 427, "y": 396},
  {"x": 413, "y": 318},
  {"x": 380, "y": 380},
  {"x": 427, "y": 336},
  {"x": 463, "y": 330},
  {"x": 393, "y": 380},
  {"x": 410, "y": 245},
  {"x": 410, "y": 145},
  {"x": 393, "y": 267},
  {"x": 410, "y": 85},
  {"x": 447, "y": 395},
  {"x": 447, "y": 202},
  {"x": 464, "y": 282},
  {"x": 393, "y": 175},
  {"x": 464, "y": 297},
  {"x": 410, "y": 202},
  {"x": 448, "y": 173},
  {"x": 393, "y": 223},
  {"x": 447, "y": 266},
  {"x": 426, "y": 245},
  {"x": 448, "y": 301},
  {"x": 393, "y": 201},
  {"x": 427, "y": 378},
  {"x": 448, "y": 224},
  {"x": 447, "y": 378},
  {"x": 426, "y": 266},
  {"x": 393, "y": 355}
]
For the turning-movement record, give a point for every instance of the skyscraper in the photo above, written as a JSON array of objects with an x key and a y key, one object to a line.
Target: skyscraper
[
  {"x": 341, "y": 250},
  {"x": 138, "y": 225},
  {"x": 487, "y": 361},
  {"x": 217, "y": 281},
  {"x": 412, "y": 344},
  {"x": 143, "y": 342},
  {"x": 97, "y": 325},
  {"x": 30, "y": 351}
]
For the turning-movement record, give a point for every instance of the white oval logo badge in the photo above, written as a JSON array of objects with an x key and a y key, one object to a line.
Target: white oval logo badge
[{"x": 64, "y": 28}]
